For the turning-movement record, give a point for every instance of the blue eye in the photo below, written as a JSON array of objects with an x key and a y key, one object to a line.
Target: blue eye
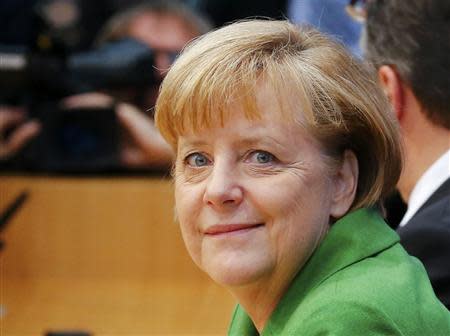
[
  {"x": 261, "y": 157},
  {"x": 197, "y": 160}
]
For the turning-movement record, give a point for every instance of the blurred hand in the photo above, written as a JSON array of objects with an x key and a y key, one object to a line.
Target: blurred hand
[
  {"x": 14, "y": 117},
  {"x": 146, "y": 147}
]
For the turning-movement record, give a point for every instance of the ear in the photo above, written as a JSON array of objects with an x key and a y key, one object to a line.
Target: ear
[
  {"x": 345, "y": 183},
  {"x": 392, "y": 86}
]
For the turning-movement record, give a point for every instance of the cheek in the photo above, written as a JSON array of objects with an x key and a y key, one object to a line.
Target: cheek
[
  {"x": 279, "y": 196},
  {"x": 188, "y": 207},
  {"x": 188, "y": 197},
  {"x": 297, "y": 208}
]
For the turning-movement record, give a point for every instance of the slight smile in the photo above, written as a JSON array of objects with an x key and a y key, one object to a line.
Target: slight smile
[{"x": 222, "y": 229}]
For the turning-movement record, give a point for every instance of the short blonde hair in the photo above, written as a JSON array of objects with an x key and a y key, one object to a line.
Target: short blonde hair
[{"x": 339, "y": 101}]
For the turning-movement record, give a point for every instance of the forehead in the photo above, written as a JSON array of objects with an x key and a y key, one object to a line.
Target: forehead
[
  {"x": 270, "y": 114},
  {"x": 196, "y": 96},
  {"x": 265, "y": 102},
  {"x": 239, "y": 135}
]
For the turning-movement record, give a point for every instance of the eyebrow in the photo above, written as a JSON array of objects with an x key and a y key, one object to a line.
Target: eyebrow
[
  {"x": 251, "y": 140},
  {"x": 255, "y": 140},
  {"x": 194, "y": 143}
]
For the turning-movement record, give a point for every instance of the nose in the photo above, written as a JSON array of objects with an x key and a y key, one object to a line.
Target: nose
[{"x": 223, "y": 189}]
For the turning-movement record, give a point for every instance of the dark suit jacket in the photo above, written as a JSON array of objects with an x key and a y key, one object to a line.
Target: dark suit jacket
[{"x": 427, "y": 237}]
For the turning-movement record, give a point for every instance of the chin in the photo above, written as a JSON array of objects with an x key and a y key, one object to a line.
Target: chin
[{"x": 238, "y": 274}]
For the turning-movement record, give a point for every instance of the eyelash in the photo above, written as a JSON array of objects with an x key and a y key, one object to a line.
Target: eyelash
[
  {"x": 194, "y": 155},
  {"x": 253, "y": 153}
]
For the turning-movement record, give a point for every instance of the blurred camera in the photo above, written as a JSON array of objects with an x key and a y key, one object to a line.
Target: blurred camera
[
  {"x": 73, "y": 140},
  {"x": 80, "y": 139},
  {"x": 40, "y": 75}
]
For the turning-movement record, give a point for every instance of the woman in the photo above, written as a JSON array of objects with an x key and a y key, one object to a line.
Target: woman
[{"x": 283, "y": 151}]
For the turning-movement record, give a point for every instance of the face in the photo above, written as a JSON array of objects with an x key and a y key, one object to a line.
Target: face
[
  {"x": 166, "y": 34},
  {"x": 253, "y": 197}
]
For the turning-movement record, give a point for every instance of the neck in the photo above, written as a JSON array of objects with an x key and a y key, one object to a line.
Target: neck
[
  {"x": 259, "y": 300},
  {"x": 424, "y": 144}
]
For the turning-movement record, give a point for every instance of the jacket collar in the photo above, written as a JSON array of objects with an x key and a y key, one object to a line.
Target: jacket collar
[{"x": 354, "y": 237}]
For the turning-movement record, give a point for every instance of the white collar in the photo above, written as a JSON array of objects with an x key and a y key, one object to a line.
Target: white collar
[{"x": 428, "y": 183}]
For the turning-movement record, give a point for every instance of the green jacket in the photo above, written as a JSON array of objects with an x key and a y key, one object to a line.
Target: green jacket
[{"x": 359, "y": 281}]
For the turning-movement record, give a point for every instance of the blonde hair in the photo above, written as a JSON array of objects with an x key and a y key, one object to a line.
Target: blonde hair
[{"x": 336, "y": 97}]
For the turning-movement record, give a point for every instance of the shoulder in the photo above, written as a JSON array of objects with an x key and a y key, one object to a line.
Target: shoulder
[
  {"x": 432, "y": 220},
  {"x": 427, "y": 234},
  {"x": 342, "y": 318},
  {"x": 427, "y": 237},
  {"x": 378, "y": 294},
  {"x": 433, "y": 216}
]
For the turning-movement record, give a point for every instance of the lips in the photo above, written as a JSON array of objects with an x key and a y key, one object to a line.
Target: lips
[{"x": 221, "y": 229}]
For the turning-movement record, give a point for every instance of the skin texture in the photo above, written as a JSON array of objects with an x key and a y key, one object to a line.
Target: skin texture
[{"x": 254, "y": 200}]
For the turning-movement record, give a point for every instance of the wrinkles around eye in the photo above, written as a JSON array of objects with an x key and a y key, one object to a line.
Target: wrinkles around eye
[
  {"x": 194, "y": 175},
  {"x": 297, "y": 168},
  {"x": 190, "y": 173}
]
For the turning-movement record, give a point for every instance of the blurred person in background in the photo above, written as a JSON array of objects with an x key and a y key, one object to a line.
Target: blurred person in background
[
  {"x": 408, "y": 41},
  {"x": 165, "y": 27},
  {"x": 20, "y": 27}
]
